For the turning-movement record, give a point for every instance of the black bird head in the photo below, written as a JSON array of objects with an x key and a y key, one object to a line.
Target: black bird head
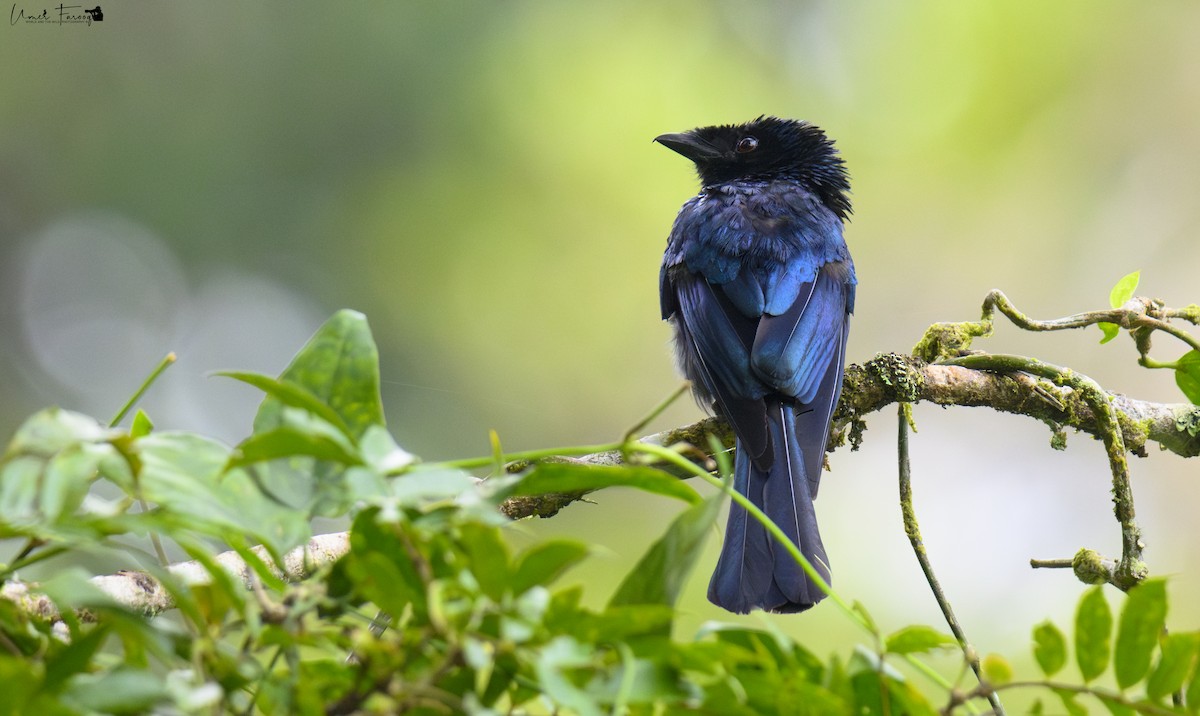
[{"x": 767, "y": 148}]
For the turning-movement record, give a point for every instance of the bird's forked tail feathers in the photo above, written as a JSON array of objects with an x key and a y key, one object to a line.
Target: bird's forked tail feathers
[{"x": 755, "y": 571}]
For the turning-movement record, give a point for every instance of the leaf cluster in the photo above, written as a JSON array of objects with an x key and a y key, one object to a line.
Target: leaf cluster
[{"x": 431, "y": 610}]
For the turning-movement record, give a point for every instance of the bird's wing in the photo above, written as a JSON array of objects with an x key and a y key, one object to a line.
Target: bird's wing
[
  {"x": 716, "y": 339},
  {"x": 793, "y": 350},
  {"x": 801, "y": 353}
]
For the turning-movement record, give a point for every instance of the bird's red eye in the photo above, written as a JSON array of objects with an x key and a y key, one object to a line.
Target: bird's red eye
[{"x": 746, "y": 144}]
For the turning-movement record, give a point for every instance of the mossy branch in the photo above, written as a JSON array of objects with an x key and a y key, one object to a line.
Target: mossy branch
[
  {"x": 143, "y": 593},
  {"x": 949, "y": 343},
  {"x": 894, "y": 378},
  {"x": 891, "y": 378},
  {"x": 912, "y": 528}
]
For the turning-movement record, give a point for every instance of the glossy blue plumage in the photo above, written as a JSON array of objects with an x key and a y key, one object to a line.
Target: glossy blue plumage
[{"x": 759, "y": 285}]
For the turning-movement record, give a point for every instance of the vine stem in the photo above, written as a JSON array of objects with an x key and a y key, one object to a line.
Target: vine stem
[
  {"x": 1131, "y": 570},
  {"x": 1122, "y": 316},
  {"x": 167, "y": 361},
  {"x": 913, "y": 529}
]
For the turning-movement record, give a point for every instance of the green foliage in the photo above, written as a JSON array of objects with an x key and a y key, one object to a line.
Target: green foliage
[
  {"x": 567, "y": 477},
  {"x": 1187, "y": 368},
  {"x": 1124, "y": 289},
  {"x": 462, "y": 622},
  {"x": 1049, "y": 648},
  {"x": 1164, "y": 665},
  {"x": 1187, "y": 375},
  {"x": 1142, "y": 620},
  {"x": 1176, "y": 660},
  {"x": 917, "y": 640},
  {"x": 997, "y": 670},
  {"x": 1121, "y": 292},
  {"x": 659, "y": 576},
  {"x": 1093, "y": 633},
  {"x": 335, "y": 374}
]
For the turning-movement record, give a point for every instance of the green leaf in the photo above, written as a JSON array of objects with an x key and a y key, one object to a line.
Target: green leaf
[
  {"x": 1192, "y": 695},
  {"x": 1120, "y": 293},
  {"x": 19, "y": 480},
  {"x": 871, "y": 678},
  {"x": 142, "y": 425},
  {"x": 767, "y": 646},
  {"x": 620, "y": 623},
  {"x": 379, "y": 566},
  {"x": 74, "y": 658},
  {"x": 435, "y": 483},
  {"x": 906, "y": 699},
  {"x": 638, "y": 681},
  {"x": 660, "y": 574},
  {"x": 222, "y": 592},
  {"x": 1049, "y": 648},
  {"x": 542, "y": 563},
  {"x": 339, "y": 366},
  {"x": 53, "y": 430},
  {"x": 488, "y": 558},
  {"x": 380, "y": 580},
  {"x": 287, "y": 442},
  {"x": 118, "y": 691},
  {"x": 21, "y": 678},
  {"x": 382, "y": 453},
  {"x": 1187, "y": 375},
  {"x": 1141, "y": 624},
  {"x": 867, "y": 689},
  {"x": 1093, "y": 633},
  {"x": 996, "y": 669},
  {"x": 561, "y": 655},
  {"x": 67, "y": 478},
  {"x": 262, "y": 568},
  {"x": 1178, "y": 653},
  {"x": 185, "y": 475},
  {"x": 817, "y": 700},
  {"x": 294, "y": 395},
  {"x": 917, "y": 639},
  {"x": 566, "y": 477},
  {"x": 1123, "y": 290}
]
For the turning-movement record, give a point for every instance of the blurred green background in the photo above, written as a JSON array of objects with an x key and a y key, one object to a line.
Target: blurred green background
[{"x": 216, "y": 178}]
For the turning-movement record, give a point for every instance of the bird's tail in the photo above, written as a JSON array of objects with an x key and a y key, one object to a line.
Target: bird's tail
[{"x": 754, "y": 570}]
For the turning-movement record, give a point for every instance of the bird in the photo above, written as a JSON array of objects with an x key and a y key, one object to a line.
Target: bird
[{"x": 758, "y": 284}]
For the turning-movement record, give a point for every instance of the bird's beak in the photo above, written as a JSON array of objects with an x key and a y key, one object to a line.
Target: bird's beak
[{"x": 689, "y": 145}]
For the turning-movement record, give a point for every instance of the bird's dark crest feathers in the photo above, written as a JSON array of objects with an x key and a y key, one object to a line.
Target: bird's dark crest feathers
[{"x": 782, "y": 149}]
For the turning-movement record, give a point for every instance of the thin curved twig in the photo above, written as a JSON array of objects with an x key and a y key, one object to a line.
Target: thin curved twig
[
  {"x": 913, "y": 529},
  {"x": 1137, "y": 313}
]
